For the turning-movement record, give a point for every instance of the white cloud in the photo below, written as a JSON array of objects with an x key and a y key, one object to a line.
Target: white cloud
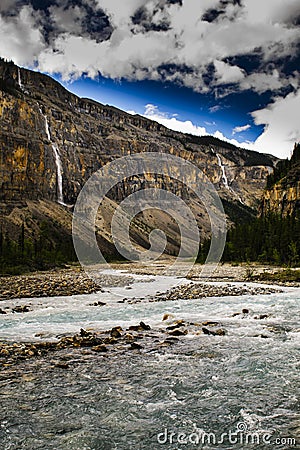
[
  {"x": 281, "y": 121},
  {"x": 241, "y": 129},
  {"x": 273, "y": 11},
  {"x": 225, "y": 73},
  {"x": 72, "y": 57},
  {"x": 278, "y": 138},
  {"x": 75, "y": 55},
  {"x": 245, "y": 144},
  {"x": 120, "y": 11},
  {"x": 262, "y": 82},
  {"x": 152, "y": 112},
  {"x": 215, "y": 108},
  {"x": 67, "y": 19},
  {"x": 20, "y": 39},
  {"x": 135, "y": 54}
]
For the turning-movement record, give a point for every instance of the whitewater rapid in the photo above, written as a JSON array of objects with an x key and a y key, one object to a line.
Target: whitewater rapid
[{"x": 77, "y": 399}]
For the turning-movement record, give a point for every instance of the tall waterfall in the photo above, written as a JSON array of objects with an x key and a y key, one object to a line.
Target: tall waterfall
[
  {"x": 60, "y": 197},
  {"x": 20, "y": 79},
  {"x": 58, "y": 163},
  {"x": 224, "y": 177}
]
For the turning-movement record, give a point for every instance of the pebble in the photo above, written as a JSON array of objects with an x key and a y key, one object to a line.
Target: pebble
[
  {"x": 99, "y": 348},
  {"x": 144, "y": 326},
  {"x": 95, "y": 341},
  {"x": 178, "y": 332},
  {"x": 62, "y": 365},
  {"x": 135, "y": 346},
  {"x": 176, "y": 325},
  {"x": 212, "y": 324},
  {"x": 116, "y": 332},
  {"x": 98, "y": 342},
  {"x": 261, "y": 317},
  {"x": 20, "y": 309}
]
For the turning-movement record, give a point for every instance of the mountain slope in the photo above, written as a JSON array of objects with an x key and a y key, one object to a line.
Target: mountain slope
[
  {"x": 52, "y": 141},
  {"x": 273, "y": 237},
  {"x": 282, "y": 195}
]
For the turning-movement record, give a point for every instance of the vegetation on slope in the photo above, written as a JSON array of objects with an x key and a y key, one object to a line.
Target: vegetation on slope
[
  {"x": 271, "y": 238},
  {"x": 52, "y": 248},
  {"x": 286, "y": 167}
]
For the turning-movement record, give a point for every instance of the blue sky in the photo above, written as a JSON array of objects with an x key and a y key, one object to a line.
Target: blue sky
[
  {"x": 175, "y": 101},
  {"x": 229, "y": 68}
]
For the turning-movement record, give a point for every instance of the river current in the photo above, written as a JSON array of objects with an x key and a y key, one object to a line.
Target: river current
[{"x": 236, "y": 391}]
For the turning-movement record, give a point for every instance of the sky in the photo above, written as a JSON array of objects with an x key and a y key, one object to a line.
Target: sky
[{"x": 229, "y": 68}]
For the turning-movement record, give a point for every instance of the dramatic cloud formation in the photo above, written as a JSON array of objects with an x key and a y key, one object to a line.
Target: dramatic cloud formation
[
  {"x": 214, "y": 47},
  {"x": 226, "y": 74},
  {"x": 281, "y": 120},
  {"x": 20, "y": 39},
  {"x": 147, "y": 39}
]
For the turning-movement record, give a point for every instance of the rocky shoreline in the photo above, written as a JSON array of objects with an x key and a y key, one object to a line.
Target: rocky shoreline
[
  {"x": 204, "y": 290},
  {"x": 63, "y": 282},
  {"x": 74, "y": 281}
]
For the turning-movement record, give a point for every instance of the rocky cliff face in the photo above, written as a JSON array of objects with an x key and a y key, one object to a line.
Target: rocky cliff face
[
  {"x": 283, "y": 193},
  {"x": 52, "y": 141},
  {"x": 282, "y": 199}
]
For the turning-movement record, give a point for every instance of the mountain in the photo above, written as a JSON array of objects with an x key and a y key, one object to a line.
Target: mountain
[
  {"x": 273, "y": 236},
  {"x": 282, "y": 194},
  {"x": 52, "y": 141}
]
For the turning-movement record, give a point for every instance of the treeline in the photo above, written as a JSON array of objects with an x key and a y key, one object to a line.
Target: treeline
[
  {"x": 272, "y": 239},
  {"x": 49, "y": 249},
  {"x": 283, "y": 167}
]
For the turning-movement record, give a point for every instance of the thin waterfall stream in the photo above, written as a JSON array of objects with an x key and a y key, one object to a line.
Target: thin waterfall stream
[
  {"x": 58, "y": 163},
  {"x": 224, "y": 176}
]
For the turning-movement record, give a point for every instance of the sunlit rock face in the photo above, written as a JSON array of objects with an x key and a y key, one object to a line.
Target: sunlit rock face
[{"x": 284, "y": 197}]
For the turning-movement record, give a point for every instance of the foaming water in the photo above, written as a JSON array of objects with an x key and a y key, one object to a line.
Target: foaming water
[{"x": 202, "y": 384}]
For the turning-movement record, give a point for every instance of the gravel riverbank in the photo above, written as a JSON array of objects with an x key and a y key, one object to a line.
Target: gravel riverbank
[
  {"x": 60, "y": 282},
  {"x": 74, "y": 281},
  {"x": 204, "y": 290}
]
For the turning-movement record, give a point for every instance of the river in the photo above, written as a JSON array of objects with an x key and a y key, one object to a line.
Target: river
[{"x": 235, "y": 391}]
